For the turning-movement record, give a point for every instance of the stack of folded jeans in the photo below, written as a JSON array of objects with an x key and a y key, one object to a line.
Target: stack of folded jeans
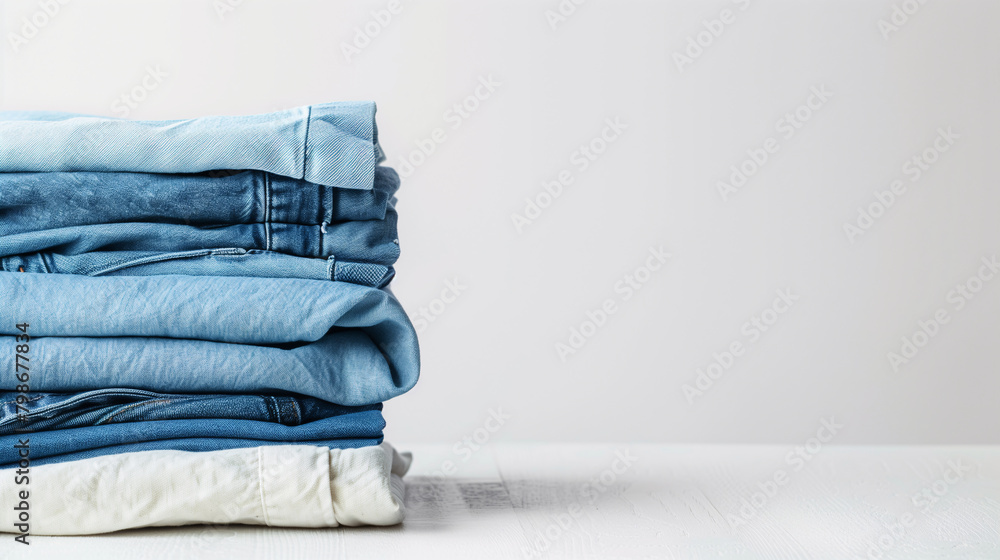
[{"x": 198, "y": 321}]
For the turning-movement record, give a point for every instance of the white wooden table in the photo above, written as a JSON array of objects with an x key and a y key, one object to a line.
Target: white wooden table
[{"x": 634, "y": 501}]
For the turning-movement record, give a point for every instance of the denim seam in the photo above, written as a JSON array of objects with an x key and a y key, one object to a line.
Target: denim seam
[
  {"x": 296, "y": 410},
  {"x": 267, "y": 217},
  {"x": 267, "y": 197},
  {"x": 271, "y": 403},
  {"x": 132, "y": 262},
  {"x": 331, "y": 268},
  {"x": 46, "y": 265},
  {"x": 326, "y": 202},
  {"x": 110, "y": 267},
  {"x": 133, "y": 405},
  {"x": 76, "y": 399},
  {"x": 305, "y": 145},
  {"x": 319, "y": 249},
  {"x": 321, "y": 207},
  {"x": 30, "y": 399},
  {"x": 305, "y": 159}
]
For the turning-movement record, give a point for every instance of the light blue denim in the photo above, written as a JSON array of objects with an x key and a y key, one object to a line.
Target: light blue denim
[
  {"x": 35, "y": 412},
  {"x": 344, "y": 343},
  {"x": 353, "y": 429},
  {"x": 206, "y": 262},
  {"x": 41, "y": 201},
  {"x": 332, "y": 144},
  {"x": 373, "y": 241}
]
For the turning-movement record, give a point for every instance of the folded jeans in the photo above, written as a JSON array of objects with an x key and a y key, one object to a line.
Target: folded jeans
[
  {"x": 34, "y": 412},
  {"x": 340, "y": 342},
  {"x": 40, "y": 201},
  {"x": 332, "y": 144},
  {"x": 354, "y": 429},
  {"x": 202, "y": 262},
  {"x": 370, "y": 241}
]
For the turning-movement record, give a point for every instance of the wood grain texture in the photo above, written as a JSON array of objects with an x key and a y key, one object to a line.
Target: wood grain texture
[{"x": 634, "y": 501}]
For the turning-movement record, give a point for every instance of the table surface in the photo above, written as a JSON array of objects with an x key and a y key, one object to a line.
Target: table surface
[{"x": 634, "y": 501}]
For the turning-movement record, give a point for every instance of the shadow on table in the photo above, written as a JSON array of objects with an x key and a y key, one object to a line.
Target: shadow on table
[{"x": 433, "y": 502}]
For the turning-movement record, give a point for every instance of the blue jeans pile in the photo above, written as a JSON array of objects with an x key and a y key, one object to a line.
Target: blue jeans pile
[{"x": 197, "y": 285}]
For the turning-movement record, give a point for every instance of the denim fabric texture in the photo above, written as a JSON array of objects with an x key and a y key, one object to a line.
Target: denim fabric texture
[
  {"x": 331, "y": 144},
  {"x": 343, "y": 343},
  {"x": 371, "y": 241},
  {"x": 195, "y": 445},
  {"x": 205, "y": 262},
  {"x": 356, "y": 429},
  {"x": 60, "y": 411},
  {"x": 99, "y": 447},
  {"x": 40, "y": 201}
]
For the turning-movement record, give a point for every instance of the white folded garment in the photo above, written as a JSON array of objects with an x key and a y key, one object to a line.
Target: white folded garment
[{"x": 278, "y": 486}]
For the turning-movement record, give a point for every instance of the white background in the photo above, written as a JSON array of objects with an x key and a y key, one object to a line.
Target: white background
[{"x": 494, "y": 347}]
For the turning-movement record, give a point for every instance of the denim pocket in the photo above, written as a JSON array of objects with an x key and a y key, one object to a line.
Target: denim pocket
[
  {"x": 63, "y": 410},
  {"x": 231, "y": 261},
  {"x": 113, "y": 265},
  {"x": 56, "y": 411}
]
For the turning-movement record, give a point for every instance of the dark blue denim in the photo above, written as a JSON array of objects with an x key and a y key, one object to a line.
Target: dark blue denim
[
  {"x": 42, "y": 201},
  {"x": 59, "y": 411},
  {"x": 193, "y": 444},
  {"x": 211, "y": 435},
  {"x": 206, "y": 262}
]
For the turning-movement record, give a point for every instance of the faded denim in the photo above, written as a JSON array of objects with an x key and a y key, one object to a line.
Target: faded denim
[
  {"x": 206, "y": 262},
  {"x": 332, "y": 144},
  {"x": 339, "y": 342},
  {"x": 372, "y": 241}
]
